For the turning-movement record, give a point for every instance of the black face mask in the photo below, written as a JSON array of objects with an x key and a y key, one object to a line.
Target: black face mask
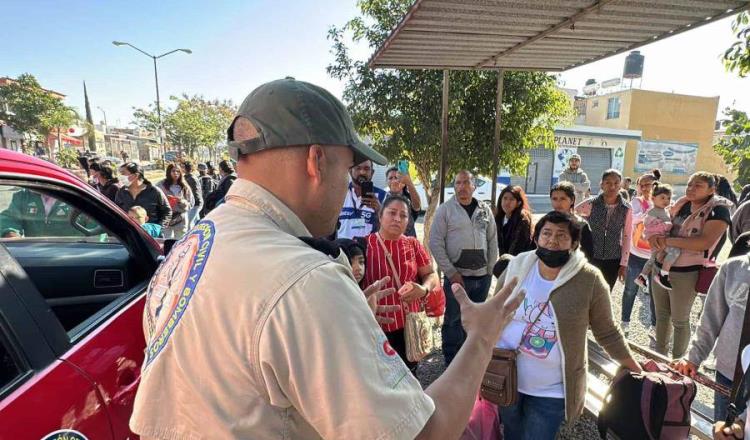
[{"x": 553, "y": 259}]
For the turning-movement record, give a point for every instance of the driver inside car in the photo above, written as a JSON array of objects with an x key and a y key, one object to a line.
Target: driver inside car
[{"x": 34, "y": 214}]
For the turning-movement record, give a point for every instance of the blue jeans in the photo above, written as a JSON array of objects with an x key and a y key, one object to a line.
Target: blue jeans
[
  {"x": 635, "y": 267},
  {"x": 453, "y": 331},
  {"x": 721, "y": 403},
  {"x": 532, "y": 418}
]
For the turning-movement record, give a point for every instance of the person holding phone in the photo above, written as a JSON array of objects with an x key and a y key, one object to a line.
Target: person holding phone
[
  {"x": 400, "y": 184},
  {"x": 358, "y": 217}
]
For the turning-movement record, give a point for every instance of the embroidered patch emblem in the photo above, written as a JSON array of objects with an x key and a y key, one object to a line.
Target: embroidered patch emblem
[
  {"x": 390, "y": 364},
  {"x": 173, "y": 286},
  {"x": 65, "y": 434}
]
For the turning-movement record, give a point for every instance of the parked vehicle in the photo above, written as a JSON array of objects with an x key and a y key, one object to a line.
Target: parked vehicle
[
  {"x": 71, "y": 300},
  {"x": 483, "y": 191}
]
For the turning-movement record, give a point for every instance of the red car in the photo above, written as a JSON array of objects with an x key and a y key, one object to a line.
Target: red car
[{"x": 73, "y": 272}]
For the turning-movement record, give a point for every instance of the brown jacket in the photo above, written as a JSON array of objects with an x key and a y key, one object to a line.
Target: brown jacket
[{"x": 580, "y": 299}]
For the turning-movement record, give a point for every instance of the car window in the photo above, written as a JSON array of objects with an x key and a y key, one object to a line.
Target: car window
[
  {"x": 27, "y": 214},
  {"x": 76, "y": 264},
  {"x": 10, "y": 370},
  {"x": 480, "y": 183}
]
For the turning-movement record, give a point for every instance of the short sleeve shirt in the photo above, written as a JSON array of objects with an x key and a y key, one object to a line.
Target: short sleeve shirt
[
  {"x": 251, "y": 333},
  {"x": 408, "y": 256}
]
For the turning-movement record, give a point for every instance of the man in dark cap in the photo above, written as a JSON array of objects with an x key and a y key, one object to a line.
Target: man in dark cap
[{"x": 253, "y": 333}]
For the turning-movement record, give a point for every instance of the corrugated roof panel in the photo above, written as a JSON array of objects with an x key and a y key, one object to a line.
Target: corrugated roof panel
[{"x": 549, "y": 35}]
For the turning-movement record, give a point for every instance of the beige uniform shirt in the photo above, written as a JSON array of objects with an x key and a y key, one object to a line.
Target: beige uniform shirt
[{"x": 253, "y": 334}]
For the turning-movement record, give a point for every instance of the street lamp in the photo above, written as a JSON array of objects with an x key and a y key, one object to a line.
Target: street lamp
[
  {"x": 105, "y": 118},
  {"x": 156, "y": 79}
]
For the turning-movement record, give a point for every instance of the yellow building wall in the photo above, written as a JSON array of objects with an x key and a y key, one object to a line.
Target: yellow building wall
[{"x": 664, "y": 117}]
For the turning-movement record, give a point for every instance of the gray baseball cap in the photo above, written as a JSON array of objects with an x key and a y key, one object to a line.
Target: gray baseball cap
[{"x": 288, "y": 112}]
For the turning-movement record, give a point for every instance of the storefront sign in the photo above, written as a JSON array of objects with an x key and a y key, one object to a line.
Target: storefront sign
[{"x": 573, "y": 141}]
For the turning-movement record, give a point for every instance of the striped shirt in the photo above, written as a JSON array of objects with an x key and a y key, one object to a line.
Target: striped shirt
[
  {"x": 355, "y": 219},
  {"x": 408, "y": 256}
]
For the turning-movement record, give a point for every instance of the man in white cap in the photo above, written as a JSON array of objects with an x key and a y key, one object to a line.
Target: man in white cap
[
  {"x": 254, "y": 333},
  {"x": 575, "y": 175}
]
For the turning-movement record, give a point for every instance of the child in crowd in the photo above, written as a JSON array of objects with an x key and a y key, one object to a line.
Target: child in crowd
[
  {"x": 356, "y": 254},
  {"x": 138, "y": 214},
  {"x": 658, "y": 222}
]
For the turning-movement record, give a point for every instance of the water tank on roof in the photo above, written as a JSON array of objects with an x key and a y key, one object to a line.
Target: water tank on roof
[{"x": 633, "y": 65}]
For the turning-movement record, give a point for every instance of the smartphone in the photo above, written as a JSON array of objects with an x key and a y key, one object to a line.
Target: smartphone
[
  {"x": 403, "y": 166},
  {"x": 367, "y": 188}
]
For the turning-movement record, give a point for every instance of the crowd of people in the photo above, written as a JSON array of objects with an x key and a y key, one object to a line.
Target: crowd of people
[
  {"x": 175, "y": 204},
  {"x": 308, "y": 276}
]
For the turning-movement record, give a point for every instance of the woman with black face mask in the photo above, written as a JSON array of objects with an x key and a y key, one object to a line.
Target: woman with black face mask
[{"x": 565, "y": 295}]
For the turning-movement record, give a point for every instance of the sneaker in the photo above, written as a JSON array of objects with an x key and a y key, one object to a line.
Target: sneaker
[
  {"x": 663, "y": 281},
  {"x": 641, "y": 281},
  {"x": 625, "y": 326},
  {"x": 652, "y": 333}
]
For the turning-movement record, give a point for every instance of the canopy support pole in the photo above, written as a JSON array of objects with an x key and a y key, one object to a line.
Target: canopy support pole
[
  {"x": 496, "y": 143},
  {"x": 444, "y": 137}
]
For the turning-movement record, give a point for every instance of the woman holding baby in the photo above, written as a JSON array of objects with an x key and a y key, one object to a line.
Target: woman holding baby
[{"x": 699, "y": 222}]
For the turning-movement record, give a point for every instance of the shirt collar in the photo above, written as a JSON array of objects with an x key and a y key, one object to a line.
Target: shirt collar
[{"x": 251, "y": 195}]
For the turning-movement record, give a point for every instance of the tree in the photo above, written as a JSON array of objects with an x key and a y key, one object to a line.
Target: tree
[
  {"x": 56, "y": 119},
  {"x": 399, "y": 111},
  {"x": 734, "y": 147},
  {"x": 27, "y": 104},
  {"x": 194, "y": 122}
]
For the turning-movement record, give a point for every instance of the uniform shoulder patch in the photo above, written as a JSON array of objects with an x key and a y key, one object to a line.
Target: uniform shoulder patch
[{"x": 173, "y": 286}]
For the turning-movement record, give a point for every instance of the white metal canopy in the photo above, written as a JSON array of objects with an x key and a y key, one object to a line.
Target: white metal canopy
[{"x": 547, "y": 35}]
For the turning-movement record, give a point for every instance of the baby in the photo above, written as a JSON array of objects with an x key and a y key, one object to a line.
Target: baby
[
  {"x": 138, "y": 214},
  {"x": 658, "y": 222}
]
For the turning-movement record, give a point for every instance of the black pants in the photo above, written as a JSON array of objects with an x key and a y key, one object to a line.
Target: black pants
[
  {"x": 397, "y": 340},
  {"x": 609, "y": 269}
]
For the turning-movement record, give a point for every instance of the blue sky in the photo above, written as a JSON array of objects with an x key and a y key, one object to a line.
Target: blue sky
[{"x": 238, "y": 45}]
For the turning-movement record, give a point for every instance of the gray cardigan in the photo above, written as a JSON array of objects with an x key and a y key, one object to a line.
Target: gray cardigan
[
  {"x": 453, "y": 231},
  {"x": 723, "y": 313}
]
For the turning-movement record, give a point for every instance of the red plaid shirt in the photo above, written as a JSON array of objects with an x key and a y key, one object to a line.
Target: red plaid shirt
[{"x": 408, "y": 256}]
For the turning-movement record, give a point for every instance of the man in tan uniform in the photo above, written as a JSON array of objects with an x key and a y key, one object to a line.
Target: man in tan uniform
[{"x": 252, "y": 333}]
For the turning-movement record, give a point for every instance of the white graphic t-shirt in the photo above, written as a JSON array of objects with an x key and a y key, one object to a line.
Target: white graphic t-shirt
[{"x": 539, "y": 358}]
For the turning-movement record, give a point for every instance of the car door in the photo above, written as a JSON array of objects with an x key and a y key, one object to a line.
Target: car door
[
  {"x": 39, "y": 393},
  {"x": 87, "y": 291}
]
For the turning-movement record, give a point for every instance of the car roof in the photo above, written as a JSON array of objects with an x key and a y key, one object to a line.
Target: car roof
[{"x": 13, "y": 162}]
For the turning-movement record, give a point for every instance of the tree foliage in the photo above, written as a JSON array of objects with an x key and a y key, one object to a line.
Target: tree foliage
[
  {"x": 400, "y": 110},
  {"x": 32, "y": 110},
  {"x": 56, "y": 121},
  {"x": 734, "y": 146},
  {"x": 737, "y": 57},
  {"x": 192, "y": 122}
]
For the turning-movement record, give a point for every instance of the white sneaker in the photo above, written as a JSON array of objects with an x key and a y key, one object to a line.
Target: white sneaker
[
  {"x": 652, "y": 333},
  {"x": 625, "y": 326}
]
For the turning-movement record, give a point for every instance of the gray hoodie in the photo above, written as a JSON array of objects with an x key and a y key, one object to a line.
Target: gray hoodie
[
  {"x": 721, "y": 321},
  {"x": 453, "y": 231}
]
